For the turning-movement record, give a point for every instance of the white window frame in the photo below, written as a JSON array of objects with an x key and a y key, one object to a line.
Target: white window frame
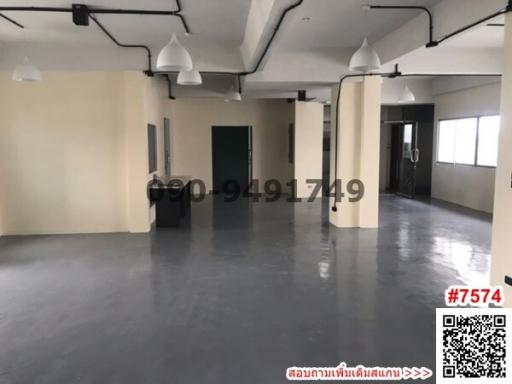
[{"x": 475, "y": 161}]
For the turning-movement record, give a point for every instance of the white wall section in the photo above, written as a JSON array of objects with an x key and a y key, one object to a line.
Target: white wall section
[
  {"x": 309, "y": 118},
  {"x": 358, "y": 151},
  {"x": 469, "y": 186},
  {"x": 192, "y": 121}
]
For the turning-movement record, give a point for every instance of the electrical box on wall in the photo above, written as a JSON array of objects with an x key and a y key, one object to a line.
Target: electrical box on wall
[{"x": 80, "y": 14}]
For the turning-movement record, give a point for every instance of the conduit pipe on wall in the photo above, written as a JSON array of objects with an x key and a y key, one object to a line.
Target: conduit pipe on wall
[{"x": 390, "y": 75}]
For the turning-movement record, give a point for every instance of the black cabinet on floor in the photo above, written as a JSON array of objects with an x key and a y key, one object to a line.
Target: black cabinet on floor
[{"x": 172, "y": 201}]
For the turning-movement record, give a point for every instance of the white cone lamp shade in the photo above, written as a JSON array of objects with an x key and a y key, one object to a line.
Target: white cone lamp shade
[
  {"x": 232, "y": 96},
  {"x": 365, "y": 59},
  {"x": 174, "y": 57},
  {"x": 407, "y": 96},
  {"x": 191, "y": 77},
  {"x": 26, "y": 72}
]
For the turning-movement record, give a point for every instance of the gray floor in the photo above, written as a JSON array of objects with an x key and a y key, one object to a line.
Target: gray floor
[{"x": 247, "y": 291}]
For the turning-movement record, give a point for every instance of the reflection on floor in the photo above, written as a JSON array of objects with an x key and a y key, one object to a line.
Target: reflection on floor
[{"x": 246, "y": 291}]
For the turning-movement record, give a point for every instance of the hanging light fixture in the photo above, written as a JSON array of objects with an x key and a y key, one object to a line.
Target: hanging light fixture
[
  {"x": 232, "y": 95},
  {"x": 365, "y": 59},
  {"x": 174, "y": 57},
  {"x": 192, "y": 77},
  {"x": 26, "y": 72},
  {"x": 407, "y": 96}
]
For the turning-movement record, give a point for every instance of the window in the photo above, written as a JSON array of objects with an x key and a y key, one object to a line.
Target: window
[
  {"x": 471, "y": 141},
  {"x": 465, "y": 141},
  {"x": 488, "y": 132},
  {"x": 446, "y": 141}
]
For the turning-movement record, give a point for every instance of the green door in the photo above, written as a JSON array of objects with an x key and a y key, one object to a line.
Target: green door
[{"x": 231, "y": 148}]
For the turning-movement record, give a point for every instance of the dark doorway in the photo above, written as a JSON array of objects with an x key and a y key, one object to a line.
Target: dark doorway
[
  {"x": 405, "y": 157},
  {"x": 231, "y": 158},
  {"x": 406, "y": 149}
]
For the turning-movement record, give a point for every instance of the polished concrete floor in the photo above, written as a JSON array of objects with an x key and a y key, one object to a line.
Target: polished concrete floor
[{"x": 245, "y": 292}]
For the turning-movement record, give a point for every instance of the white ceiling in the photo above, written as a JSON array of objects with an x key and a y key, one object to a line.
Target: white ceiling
[
  {"x": 481, "y": 38},
  {"x": 343, "y": 24},
  {"x": 311, "y": 50},
  {"x": 213, "y": 21}
]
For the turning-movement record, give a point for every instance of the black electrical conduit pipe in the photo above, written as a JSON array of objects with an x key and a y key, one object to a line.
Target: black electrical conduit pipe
[
  {"x": 98, "y": 11},
  {"x": 93, "y": 11},
  {"x": 390, "y": 75},
  {"x": 149, "y": 71},
  {"x": 12, "y": 21},
  {"x": 262, "y": 56},
  {"x": 434, "y": 43},
  {"x": 431, "y": 43},
  {"x": 169, "y": 86}
]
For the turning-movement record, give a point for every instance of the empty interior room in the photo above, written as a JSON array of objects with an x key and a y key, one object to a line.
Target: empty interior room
[{"x": 239, "y": 191}]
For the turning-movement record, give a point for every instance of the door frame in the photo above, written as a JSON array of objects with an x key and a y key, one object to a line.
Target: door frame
[
  {"x": 249, "y": 152},
  {"x": 167, "y": 146},
  {"x": 414, "y": 150}
]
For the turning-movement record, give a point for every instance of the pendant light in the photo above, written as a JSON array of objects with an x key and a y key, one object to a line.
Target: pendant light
[
  {"x": 365, "y": 59},
  {"x": 26, "y": 72},
  {"x": 174, "y": 57},
  {"x": 232, "y": 96},
  {"x": 192, "y": 77},
  {"x": 407, "y": 96}
]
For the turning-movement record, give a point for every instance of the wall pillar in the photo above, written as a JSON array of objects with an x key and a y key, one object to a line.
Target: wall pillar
[
  {"x": 501, "y": 259},
  {"x": 309, "y": 123},
  {"x": 358, "y": 151}
]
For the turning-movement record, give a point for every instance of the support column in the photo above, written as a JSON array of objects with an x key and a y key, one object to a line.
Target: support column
[
  {"x": 358, "y": 146},
  {"x": 309, "y": 121},
  {"x": 501, "y": 258}
]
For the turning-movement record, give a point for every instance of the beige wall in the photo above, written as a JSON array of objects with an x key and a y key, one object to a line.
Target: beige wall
[
  {"x": 73, "y": 152},
  {"x": 157, "y": 106},
  {"x": 309, "y": 117},
  {"x": 358, "y": 151},
  {"x": 191, "y": 122},
  {"x": 469, "y": 186}
]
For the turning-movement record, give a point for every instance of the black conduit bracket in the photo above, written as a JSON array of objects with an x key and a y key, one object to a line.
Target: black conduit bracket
[
  {"x": 508, "y": 280},
  {"x": 392, "y": 75},
  {"x": 431, "y": 42},
  {"x": 169, "y": 85},
  {"x": 81, "y": 14}
]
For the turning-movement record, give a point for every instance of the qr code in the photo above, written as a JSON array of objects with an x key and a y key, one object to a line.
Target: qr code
[{"x": 473, "y": 346}]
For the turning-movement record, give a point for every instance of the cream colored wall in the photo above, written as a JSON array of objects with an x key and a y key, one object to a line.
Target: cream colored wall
[
  {"x": 501, "y": 262},
  {"x": 191, "y": 122},
  {"x": 358, "y": 151},
  {"x": 61, "y": 157},
  {"x": 156, "y": 106},
  {"x": 73, "y": 152},
  {"x": 309, "y": 117},
  {"x": 469, "y": 186}
]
